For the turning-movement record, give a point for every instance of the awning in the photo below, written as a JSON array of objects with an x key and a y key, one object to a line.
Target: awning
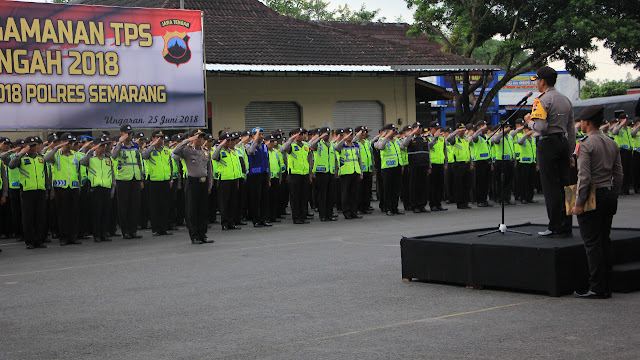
[{"x": 348, "y": 68}]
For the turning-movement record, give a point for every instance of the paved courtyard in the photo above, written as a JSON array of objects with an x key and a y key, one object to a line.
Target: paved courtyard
[{"x": 318, "y": 291}]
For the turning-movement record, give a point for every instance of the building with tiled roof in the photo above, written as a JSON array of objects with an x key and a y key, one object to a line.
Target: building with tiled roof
[{"x": 276, "y": 71}]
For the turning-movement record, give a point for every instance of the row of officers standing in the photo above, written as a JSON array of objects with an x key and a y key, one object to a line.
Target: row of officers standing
[{"x": 71, "y": 187}]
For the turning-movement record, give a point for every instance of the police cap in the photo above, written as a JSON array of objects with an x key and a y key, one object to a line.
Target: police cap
[
  {"x": 324, "y": 130},
  {"x": 470, "y": 127},
  {"x": 348, "y": 130},
  {"x": 198, "y": 132},
  {"x": 157, "y": 133},
  {"x": 545, "y": 73},
  {"x": 389, "y": 127},
  {"x": 100, "y": 141},
  {"x": 126, "y": 128},
  {"x": 361, "y": 128},
  {"x": 67, "y": 137},
  {"x": 406, "y": 128},
  {"x": 176, "y": 137},
  {"x": 31, "y": 140},
  {"x": 593, "y": 113}
]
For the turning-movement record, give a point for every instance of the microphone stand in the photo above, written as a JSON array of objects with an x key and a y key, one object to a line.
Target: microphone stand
[{"x": 502, "y": 228}]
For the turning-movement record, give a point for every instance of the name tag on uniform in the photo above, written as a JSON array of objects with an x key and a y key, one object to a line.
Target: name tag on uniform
[
  {"x": 506, "y": 157},
  {"x": 391, "y": 162},
  {"x": 27, "y": 162},
  {"x": 75, "y": 184},
  {"x": 364, "y": 167},
  {"x": 526, "y": 159},
  {"x": 321, "y": 168},
  {"x": 626, "y": 147},
  {"x": 15, "y": 183},
  {"x": 484, "y": 155}
]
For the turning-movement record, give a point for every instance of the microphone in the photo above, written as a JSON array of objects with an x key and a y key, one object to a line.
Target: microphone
[{"x": 525, "y": 98}]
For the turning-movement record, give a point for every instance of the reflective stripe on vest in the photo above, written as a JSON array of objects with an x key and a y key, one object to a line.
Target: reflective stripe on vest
[
  {"x": 349, "y": 161},
  {"x": 32, "y": 173},
  {"x": 274, "y": 163},
  {"x": 298, "y": 159},
  {"x": 322, "y": 158},
  {"x": 480, "y": 149},
  {"x": 100, "y": 172},
  {"x": 461, "y": 150},
  {"x": 437, "y": 152},
  {"x": 229, "y": 167},
  {"x": 158, "y": 166},
  {"x": 128, "y": 166},
  {"x": 390, "y": 155},
  {"x": 65, "y": 171},
  {"x": 365, "y": 155}
]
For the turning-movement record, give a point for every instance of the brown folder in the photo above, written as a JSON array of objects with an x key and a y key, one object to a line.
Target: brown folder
[{"x": 571, "y": 193}]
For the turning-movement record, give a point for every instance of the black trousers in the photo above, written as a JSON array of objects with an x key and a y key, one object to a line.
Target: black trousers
[
  {"x": 626, "y": 157},
  {"x": 322, "y": 183},
  {"x": 364, "y": 197},
  {"x": 100, "y": 198},
  {"x": 436, "y": 185},
  {"x": 503, "y": 193},
  {"x": 349, "y": 184},
  {"x": 392, "y": 182},
  {"x": 482, "y": 169},
  {"x": 159, "y": 211},
  {"x": 228, "y": 202},
  {"x": 527, "y": 175},
  {"x": 418, "y": 186},
  {"x": 68, "y": 212},
  {"x": 143, "y": 219},
  {"x": 197, "y": 195},
  {"x": 84, "y": 226},
  {"x": 181, "y": 206},
  {"x": 213, "y": 202},
  {"x": 298, "y": 196},
  {"x": 337, "y": 194},
  {"x": 636, "y": 171},
  {"x": 553, "y": 161},
  {"x": 595, "y": 227},
  {"x": 115, "y": 219},
  {"x": 16, "y": 212},
  {"x": 450, "y": 183},
  {"x": 128, "y": 205},
  {"x": 6, "y": 225},
  {"x": 405, "y": 191},
  {"x": 33, "y": 211},
  {"x": 258, "y": 197},
  {"x": 273, "y": 199},
  {"x": 172, "y": 204},
  {"x": 242, "y": 198},
  {"x": 462, "y": 182},
  {"x": 284, "y": 194},
  {"x": 380, "y": 190},
  {"x": 51, "y": 222}
]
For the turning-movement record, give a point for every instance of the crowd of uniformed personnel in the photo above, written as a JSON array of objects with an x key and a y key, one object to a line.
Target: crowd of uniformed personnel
[{"x": 70, "y": 188}]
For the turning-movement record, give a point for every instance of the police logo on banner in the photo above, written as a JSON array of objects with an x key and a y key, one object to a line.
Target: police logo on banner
[{"x": 176, "y": 48}]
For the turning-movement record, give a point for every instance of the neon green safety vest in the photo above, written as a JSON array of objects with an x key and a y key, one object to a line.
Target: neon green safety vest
[
  {"x": 636, "y": 143},
  {"x": 128, "y": 165},
  {"x": 283, "y": 164},
  {"x": 623, "y": 139},
  {"x": 516, "y": 146},
  {"x": 274, "y": 163},
  {"x": 322, "y": 158},
  {"x": 174, "y": 173},
  {"x": 229, "y": 167},
  {"x": 242, "y": 152},
  {"x": 508, "y": 150},
  {"x": 349, "y": 161},
  {"x": 84, "y": 175},
  {"x": 390, "y": 155},
  {"x": 527, "y": 152},
  {"x": 404, "y": 156},
  {"x": 450, "y": 158},
  {"x": 32, "y": 173},
  {"x": 14, "y": 176},
  {"x": 365, "y": 155},
  {"x": 461, "y": 150},
  {"x": 480, "y": 150},
  {"x": 298, "y": 159},
  {"x": 436, "y": 154},
  {"x": 333, "y": 157},
  {"x": 100, "y": 172},
  {"x": 158, "y": 165},
  {"x": 65, "y": 171}
]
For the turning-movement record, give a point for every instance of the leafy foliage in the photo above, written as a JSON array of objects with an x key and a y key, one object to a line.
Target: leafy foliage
[
  {"x": 521, "y": 35},
  {"x": 608, "y": 88},
  {"x": 318, "y": 10}
]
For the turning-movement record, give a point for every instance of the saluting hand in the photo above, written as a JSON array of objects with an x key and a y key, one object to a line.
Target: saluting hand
[
  {"x": 25, "y": 149},
  {"x": 123, "y": 138}
]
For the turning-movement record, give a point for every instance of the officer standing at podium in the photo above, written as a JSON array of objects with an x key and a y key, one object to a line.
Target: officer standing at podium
[{"x": 598, "y": 164}]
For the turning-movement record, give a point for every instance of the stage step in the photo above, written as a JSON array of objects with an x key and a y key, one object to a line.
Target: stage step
[{"x": 626, "y": 277}]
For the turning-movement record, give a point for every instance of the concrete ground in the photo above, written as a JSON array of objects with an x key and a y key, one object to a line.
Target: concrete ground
[{"x": 318, "y": 291}]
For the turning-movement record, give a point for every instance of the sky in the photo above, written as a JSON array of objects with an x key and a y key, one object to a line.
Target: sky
[{"x": 391, "y": 9}]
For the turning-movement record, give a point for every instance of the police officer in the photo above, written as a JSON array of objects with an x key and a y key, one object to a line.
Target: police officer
[
  {"x": 14, "y": 216},
  {"x": 258, "y": 178},
  {"x": 419, "y": 169},
  {"x": 504, "y": 154},
  {"x": 275, "y": 168},
  {"x": 33, "y": 180},
  {"x": 481, "y": 157},
  {"x": 299, "y": 173},
  {"x": 129, "y": 181},
  {"x": 438, "y": 158},
  {"x": 229, "y": 174},
  {"x": 65, "y": 169},
  {"x": 390, "y": 164},
  {"x": 599, "y": 164},
  {"x": 366, "y": 157},
  {"x": 462, "y": 166},
  {"x": 622, "y": 137},
  {"x": 350, "y": 172},
  {"x": 5, "y": 210},
  {"x": 176, "y": 213},
  {"x": 198, "y": 185},
  {"x": 159, "y": 172},
  {"x": 552, "y": 118},
  {"x": 526, "y": 164},
  {"x": 102, "y": 182},
  {"x": 635, "y": 134}
]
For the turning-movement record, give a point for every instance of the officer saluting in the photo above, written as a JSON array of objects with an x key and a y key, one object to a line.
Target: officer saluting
[
  {"x": 33, "y": 179},
  {"x": 102, "y": 179},
  {"x": 598, "y": 164},
  {"x": 199, "y": 183}
]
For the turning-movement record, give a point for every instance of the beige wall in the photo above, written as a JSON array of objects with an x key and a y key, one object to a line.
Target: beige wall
[{"x": 315, "y": 95}]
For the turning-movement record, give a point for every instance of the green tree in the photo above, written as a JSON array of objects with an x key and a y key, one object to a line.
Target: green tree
[
  {"x": 318, "y": 10},
  {"x": 610, "y": 88},
  {"x": 542, "y": 30}
]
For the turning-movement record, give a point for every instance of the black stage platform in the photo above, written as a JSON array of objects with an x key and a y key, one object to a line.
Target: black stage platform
[{"x": 519, "y": 262}]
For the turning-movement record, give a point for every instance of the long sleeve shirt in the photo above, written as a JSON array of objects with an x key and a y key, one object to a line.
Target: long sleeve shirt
[
  {"x": 198, "y": 161},
  {"x": 559, "y": 116},
  {"x": 86, "y": 161},
  {"x": 598, "y": 162}
]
